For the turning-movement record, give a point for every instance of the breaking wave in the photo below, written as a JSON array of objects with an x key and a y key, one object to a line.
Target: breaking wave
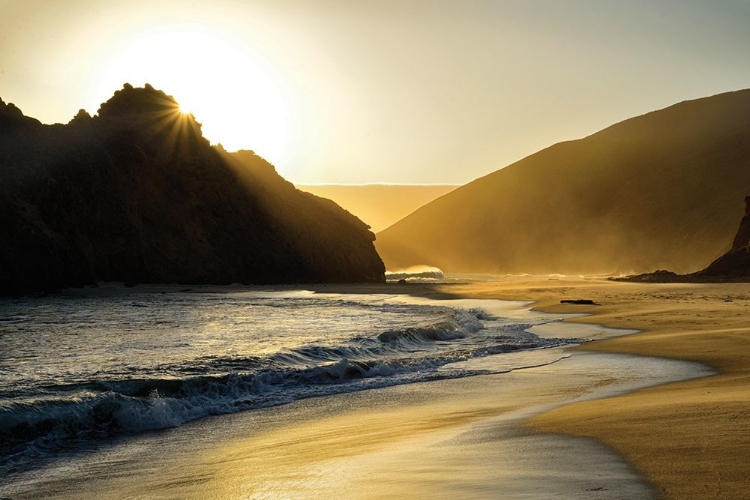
[
  {"x": 35, "y": 422},
  {"x": 415, "y": 273}
]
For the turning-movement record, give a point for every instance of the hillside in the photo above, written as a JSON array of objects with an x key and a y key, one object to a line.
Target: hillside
[
  {"x": 136, "y": 194},
  {"x": 380, "y": 205},
  {"x": 659, "y": 191}
]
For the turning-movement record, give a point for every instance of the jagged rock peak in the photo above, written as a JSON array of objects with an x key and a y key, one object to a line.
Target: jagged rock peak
[
  {"x": 11, "y": 117},
  {"x": 10, "y": 110},
  {"x": 138, "y": 100},
  {"x": 152, "y": 114},
  {"x": 81, "y": 117}
]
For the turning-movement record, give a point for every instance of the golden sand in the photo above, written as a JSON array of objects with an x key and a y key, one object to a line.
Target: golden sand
[{"x": 690, "y": 439}]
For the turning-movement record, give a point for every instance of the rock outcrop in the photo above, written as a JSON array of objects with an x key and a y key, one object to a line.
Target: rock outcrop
[
  {"x": 735, "y": 264},
  {"x": 13, "y": 120},
  {"x": 136, "y": 194}
]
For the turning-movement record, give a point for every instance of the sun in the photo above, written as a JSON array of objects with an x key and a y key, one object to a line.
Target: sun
[
  {"x": 186, "y": 109},
  {"x": 240, "y": 101}
]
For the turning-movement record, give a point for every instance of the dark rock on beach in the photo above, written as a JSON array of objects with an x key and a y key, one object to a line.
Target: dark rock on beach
[
  {"x": 734, "y": 265},
  {"x": 660, "y": 276},
  {"x": 137, "y": 194}
]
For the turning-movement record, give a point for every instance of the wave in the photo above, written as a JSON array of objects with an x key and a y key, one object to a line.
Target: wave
[
  {"x": 134, "y": 406},
  {"x": 80, "y": 412},
  {"x": 415, "y": 272},
  {"x": 457, "y": 326}
]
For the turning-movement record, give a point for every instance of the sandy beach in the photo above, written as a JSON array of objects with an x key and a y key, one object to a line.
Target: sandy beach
[
  {"x": 510, "y": 435},
  {"x": 690, "y": 439}
]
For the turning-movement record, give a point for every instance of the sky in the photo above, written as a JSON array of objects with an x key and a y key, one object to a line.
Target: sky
[{"x": 387, "y": 91}]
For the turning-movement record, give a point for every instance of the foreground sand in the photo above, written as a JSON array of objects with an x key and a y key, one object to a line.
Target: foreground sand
[
  {"x": 690, "y": 439},
  {"x": 450, "y": 439}
]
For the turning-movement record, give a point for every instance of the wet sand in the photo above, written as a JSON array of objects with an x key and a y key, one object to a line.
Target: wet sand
[
  {"x": 448, "y": 439},
  {"x": 691, "y": 439}
]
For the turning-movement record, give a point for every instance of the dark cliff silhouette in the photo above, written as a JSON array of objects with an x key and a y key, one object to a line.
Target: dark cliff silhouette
[
  {"x": 136, "y": 194},
  {"x": 653, "y": 192}
]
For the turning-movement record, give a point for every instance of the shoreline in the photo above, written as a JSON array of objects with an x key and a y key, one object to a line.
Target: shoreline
[
  {"x": 687, "y": 439},
  {"x": 465, "y": 435},
  {"x": 453, "y": 438},
  {"x": 690, "y": 439}
]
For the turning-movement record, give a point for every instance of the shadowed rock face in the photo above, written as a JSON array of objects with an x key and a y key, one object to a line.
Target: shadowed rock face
[
  {"x": 736, "y": 262},
  {"x": 136, "y": 194},
  {"x": 12, "y": 120},
  {"x": 742, "y": 240}
]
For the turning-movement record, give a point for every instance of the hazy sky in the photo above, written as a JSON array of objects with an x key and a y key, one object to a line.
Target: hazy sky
[{"x": 345, "y": 91}]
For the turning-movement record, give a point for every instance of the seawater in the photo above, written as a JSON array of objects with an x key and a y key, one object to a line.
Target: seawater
[{"x": 86, "y": 366}]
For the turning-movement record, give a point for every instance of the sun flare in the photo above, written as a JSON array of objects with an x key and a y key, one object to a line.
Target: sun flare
[
  {"x": 239, "y": 101},
  {"x": 185, "y": 110}
]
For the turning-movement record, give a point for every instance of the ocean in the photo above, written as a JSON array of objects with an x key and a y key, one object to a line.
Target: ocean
[{"x": 89, "y": 366}]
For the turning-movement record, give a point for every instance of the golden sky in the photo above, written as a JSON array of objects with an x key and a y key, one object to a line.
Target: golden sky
[{"x": 346, "y": 91}]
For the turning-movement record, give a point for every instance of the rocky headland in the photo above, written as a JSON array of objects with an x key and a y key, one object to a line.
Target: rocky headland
[{"x": 137, "y": 194}]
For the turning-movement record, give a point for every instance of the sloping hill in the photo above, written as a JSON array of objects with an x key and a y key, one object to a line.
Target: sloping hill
[
  {"x": 136, "y": 194},
  {"x": 653, "y": 192},
  {"x": 380, "y": 205}
]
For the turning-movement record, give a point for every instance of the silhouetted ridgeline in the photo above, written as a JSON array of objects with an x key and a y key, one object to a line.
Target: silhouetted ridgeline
[
  {"x": 136, "y": 194},
  {"x": 654, "y": 192}
]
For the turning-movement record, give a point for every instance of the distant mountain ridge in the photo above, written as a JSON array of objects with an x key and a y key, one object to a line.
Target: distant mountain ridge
[
  {"x": 658, "y": 191},
  {"x": 136, "y": 194},
  {"x": 380, "y": 205}
]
